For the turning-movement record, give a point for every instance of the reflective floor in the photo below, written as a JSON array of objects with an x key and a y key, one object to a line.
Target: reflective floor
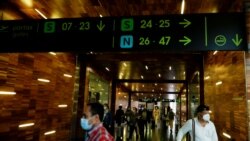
[{"x": 160, "y": 133}]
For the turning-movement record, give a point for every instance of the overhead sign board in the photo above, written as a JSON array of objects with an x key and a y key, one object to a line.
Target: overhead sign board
[{"x": 194, "y": 32}]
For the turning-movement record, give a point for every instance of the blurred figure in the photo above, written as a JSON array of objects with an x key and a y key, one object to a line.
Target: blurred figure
[
  {"x": 108, "y": 122},
  {"x": 171, "y": 116},
  {"x": 131, "y": 121},
  {"x": 200, "y": 128},
  {"x": 92, "y": 124},
  {"x": 156, "y": 115},
  {"x": 119, "y": 116}
]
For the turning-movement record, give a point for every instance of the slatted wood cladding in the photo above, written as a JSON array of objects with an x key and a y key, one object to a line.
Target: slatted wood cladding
[{"x": 36, "y": 102}]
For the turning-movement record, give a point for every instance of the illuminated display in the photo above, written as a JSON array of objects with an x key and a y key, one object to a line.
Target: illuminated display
[{"x": 197, "y": 32}]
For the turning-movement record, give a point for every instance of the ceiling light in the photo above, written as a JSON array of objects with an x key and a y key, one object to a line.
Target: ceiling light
[
  {"x": 52, "y": 53},
  {"x": 153, "y": 90},
  {"x": 119, "y": 92},
  {"x": 174, "y": 77},
  {"x": 142, "y": 77},
  {"x": 50, "y": 132},
  {"x": 146, "y": 67},
  {"x": 107, "y": 68},
  {"x": 43, "y": 80},
  {"x": 184, "y": 72},
  {"x": 182, "y": 6},
  {"x": 218, "y": 83},
  {"x": 161, "y": 88},
  {"x": 26, "y": 125},
  {"x": 125, "y": 64},
  {"x": 170, "y": 68},
  {"x": 207, "y": 77},
  {"x": 62, "y": 105},
  {"x": 100, "y": 15},
  {"x": 125, "y": 96},
  {"x": 215, "y": 52},
  {"x": 40, "y": 13},
  {"x": 155, "y": 84},
  {"x": 226, "y": 135},
  {"x": 159, "y": 75},
  {"x": 126, "y": 84},
  {"x": 210, "y": 111},
  {"x": 7, "y": 93},
  {"x": 67, "y": 75},
  {"x": 143, "y": 86}
]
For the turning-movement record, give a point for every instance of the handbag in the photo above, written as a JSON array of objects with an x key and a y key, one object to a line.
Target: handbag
[{"x": 193, "y": 129}]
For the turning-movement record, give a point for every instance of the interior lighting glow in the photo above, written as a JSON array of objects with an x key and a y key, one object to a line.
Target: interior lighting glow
[
  {"x": 218, "y": 83},
  {"x": 226, "y": 135},
  {"x": 182, "y": 6},
  {"x": 43, "y": 80},
  {"x": 215, "y": 52},
  {"x": 67, "y": 75},
  {"x": 207, "y": 77},
  {"x": 159, "y": 75},
  {"x": 146, "y": 67},
  {"x": 62, "y": 105},
  {"x": 50, "y": 132},
  {"x": 52, "y": 53},
  {"x": 26, "y": 125},
  {"x": 40, "y": 13},
  {"x": 7, "y": 93}
]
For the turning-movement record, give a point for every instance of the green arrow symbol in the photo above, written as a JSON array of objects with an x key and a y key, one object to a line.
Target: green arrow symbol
[
  {"x": 237, "y": 41},
  {"x": 186, "y": 23},
  {"x": 100, "y": 26},
  {"x": 186, "y": 40}
]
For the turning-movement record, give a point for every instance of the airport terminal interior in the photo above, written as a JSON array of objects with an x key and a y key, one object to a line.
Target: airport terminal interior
[{"x": 44, "y": 93}]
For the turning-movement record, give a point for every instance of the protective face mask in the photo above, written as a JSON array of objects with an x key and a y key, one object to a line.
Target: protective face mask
[
  {"x": 206, "y": 117},
  {"x": 85, "y": 124}
]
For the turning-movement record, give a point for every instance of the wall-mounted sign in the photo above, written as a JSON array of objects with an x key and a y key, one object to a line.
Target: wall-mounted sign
[{"x": 194, "y": 32}]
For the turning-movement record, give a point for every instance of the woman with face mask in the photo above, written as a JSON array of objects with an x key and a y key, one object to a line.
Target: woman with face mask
[{"x": 200, "y": 128}]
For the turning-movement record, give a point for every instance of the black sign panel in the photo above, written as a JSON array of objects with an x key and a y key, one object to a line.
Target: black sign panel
[{"x": 196, "y": 32}]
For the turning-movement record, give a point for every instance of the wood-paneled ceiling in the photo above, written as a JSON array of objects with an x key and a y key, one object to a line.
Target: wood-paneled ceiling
[
  {"x": 21, "y": 9},
  {"x": 157, "y": 63}
]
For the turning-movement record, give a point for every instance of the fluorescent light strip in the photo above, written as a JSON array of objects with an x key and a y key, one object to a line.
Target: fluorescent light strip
[
  {"x": 52, "y": 53},
  {"x": 43, "y": 80},
  {"x": 62, "y": 105},
  {"x": 182, "y": 6},
  {"x": 226, "y": 135},
  {"x": 7, "y": 93},
  {"x": 26, "y": 125},
  {"x": 50, "y": 132},
  {"x": 67, "y": 75},
  {"x": 40, "y": 13}
]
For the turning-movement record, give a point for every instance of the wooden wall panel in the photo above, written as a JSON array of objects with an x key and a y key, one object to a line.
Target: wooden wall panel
[
  {"x": 228, "y": 100},
  {"x": 35, "y": 101}
]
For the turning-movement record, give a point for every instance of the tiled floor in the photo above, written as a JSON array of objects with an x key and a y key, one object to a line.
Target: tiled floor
[{"x": 159, "y": 133}]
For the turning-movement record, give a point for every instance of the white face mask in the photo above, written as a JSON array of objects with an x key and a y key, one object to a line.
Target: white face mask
[{"x": 206, "y": 117}]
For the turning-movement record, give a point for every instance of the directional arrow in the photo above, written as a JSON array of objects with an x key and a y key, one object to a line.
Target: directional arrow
[
  {"x": 186, "y": 40},
  {"x": 186, "y": 23},
  {"x": 100, "y": 26},
  {"x": 236, "y": 40}
]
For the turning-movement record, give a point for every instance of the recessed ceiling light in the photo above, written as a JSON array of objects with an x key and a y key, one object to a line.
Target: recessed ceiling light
[
  {"x": 161, "y": 88},
  {"x": 174, "y": 77},
  {"x": 50, "y": 132},
  {"x": 100, "y": 15},
  {"x": 159, "y": 75},
  {"x": 207, "y": 77},
  {"x": 143, "y": 86},
  {"x": 170, "y": 68},
  {"x": 43, "y": 80},
  {"x": 142, "y": 77},
  {"x": 146, "y": 67},
  {"x": 215, "y": 52},
  {"x": 107, "y": 68},
  {"x": 155, "y": 84},
  {"x": 218, "y": 83},
  {"x": 26, "y": 125},
  {"x": 182, "y": 6},
  {"x": 125, "y": 64},
  {"x": 67, "y": 75}
]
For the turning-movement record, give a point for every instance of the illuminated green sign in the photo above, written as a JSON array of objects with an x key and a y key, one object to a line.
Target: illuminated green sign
[{"x": 194, "y": 32}]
